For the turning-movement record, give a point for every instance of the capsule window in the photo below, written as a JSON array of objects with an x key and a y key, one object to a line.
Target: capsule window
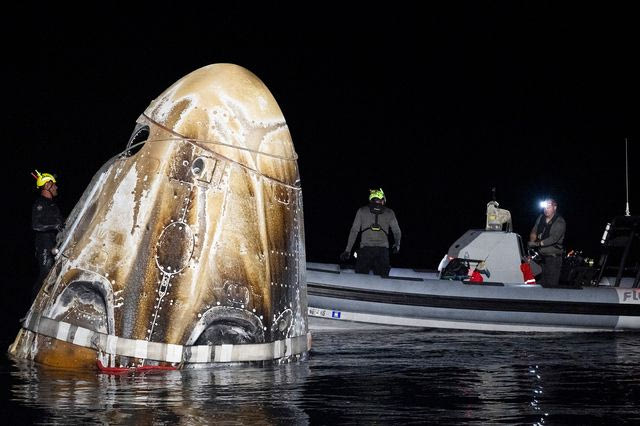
[
  {"x": 138, "y": 138},
  {"x": 197, "y": 167}
]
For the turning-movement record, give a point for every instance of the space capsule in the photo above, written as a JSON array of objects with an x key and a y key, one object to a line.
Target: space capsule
[{"x": 187, "y": 249}]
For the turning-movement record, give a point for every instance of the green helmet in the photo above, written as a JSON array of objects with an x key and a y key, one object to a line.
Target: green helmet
[{"x": 376, "y": 193}]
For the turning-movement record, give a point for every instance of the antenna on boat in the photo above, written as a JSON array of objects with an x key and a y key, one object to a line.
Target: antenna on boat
[{"x": 626, "y": 160}]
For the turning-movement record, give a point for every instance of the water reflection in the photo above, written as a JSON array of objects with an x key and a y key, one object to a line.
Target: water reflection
[
  {"x": 260, "y": 395},
  {"x": 399, "y": 377},
  {"x": 537, "y": 393}
]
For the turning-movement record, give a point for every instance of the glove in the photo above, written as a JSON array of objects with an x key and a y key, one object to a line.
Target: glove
[
  {"x": 395, "y": 249},
  {"x": 532, "y": 244},
  {"x": 344, "y": 256}
]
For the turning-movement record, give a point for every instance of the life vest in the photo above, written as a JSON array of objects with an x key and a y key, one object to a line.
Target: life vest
[{"x": 375, "y": 226}]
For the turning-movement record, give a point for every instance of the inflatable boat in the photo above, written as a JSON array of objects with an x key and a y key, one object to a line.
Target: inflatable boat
[{"x": 503, "y": 299}]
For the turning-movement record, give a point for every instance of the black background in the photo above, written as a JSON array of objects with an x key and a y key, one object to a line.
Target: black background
[{"x": 434, "y": 104}]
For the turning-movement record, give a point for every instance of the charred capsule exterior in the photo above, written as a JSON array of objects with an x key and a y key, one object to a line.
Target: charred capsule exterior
[{"x": 188, "y": 248}]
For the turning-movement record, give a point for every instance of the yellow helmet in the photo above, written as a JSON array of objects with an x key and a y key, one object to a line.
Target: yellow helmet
[
  {"x": 42, "y": 178},
  {"x": 376, "y": 193}
]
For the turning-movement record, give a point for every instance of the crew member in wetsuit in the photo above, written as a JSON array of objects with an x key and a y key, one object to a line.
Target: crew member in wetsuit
[
  {"x": 46, "y": 221},
  {"x": 547, "y": 236},
  {"x": 374, "y": 222}
]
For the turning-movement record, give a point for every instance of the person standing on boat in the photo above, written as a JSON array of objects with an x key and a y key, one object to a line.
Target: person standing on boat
[
  {"x": 547, "y": 236},
  {"x": 373, "y": 221},
  {"x": 46, "y": 221}
]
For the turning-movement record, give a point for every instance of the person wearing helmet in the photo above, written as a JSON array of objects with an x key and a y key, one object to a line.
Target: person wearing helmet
[
  {"x": 547, "y": 237},
  {"x": 373, "y": 222},
  {"x": 46, "y": 221}
]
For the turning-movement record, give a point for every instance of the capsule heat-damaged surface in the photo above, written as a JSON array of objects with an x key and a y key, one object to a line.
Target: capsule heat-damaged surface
[{"x": 188, "y": 248}]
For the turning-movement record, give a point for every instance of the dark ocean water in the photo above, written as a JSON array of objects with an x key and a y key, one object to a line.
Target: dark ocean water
[{"x": 364, "y": 377}]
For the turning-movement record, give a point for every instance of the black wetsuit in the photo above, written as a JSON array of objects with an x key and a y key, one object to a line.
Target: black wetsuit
[{"x": 46, "y": 221}]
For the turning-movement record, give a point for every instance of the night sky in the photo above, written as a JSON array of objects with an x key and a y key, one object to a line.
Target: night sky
[{"x": 436, "y": 106}]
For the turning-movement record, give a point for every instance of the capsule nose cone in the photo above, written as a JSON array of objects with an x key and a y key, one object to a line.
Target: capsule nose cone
[{"x": 229, "y": 110}]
